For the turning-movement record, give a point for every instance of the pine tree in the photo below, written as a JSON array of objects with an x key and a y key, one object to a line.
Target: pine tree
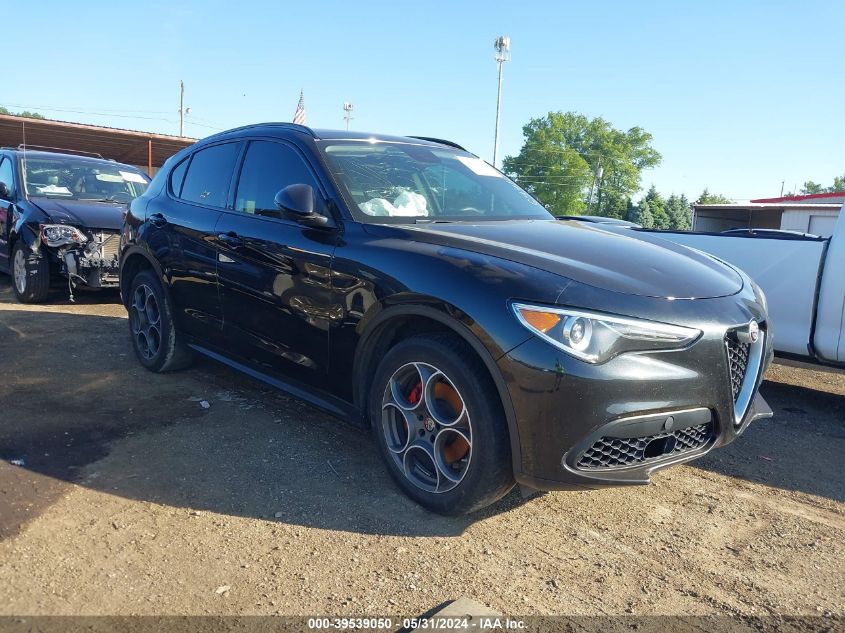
[{"x": 641, "y": 214}]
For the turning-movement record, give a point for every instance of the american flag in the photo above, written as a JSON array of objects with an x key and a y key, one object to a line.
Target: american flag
[{"x": 299, "y": 115}]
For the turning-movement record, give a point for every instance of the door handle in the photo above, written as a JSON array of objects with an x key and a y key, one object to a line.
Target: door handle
[
  {"x": 158, "y": 220},
  {"x": 230, "y": 239}
]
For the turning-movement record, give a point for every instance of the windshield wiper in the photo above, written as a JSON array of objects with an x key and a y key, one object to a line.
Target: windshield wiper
[{"x": 109, "y": 199}]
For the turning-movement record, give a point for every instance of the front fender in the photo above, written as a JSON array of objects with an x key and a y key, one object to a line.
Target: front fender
[
  {"x": 453, "y": 319},
  {"x": 26, "y": 218}
]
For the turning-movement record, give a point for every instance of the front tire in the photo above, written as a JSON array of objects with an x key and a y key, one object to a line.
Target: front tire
[
  {"x": 158, "y": 345},
  {"x": 438, "y": 422},
  {"x": 30, "y": 274}
]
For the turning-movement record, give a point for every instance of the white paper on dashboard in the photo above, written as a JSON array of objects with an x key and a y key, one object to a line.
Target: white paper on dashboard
[{"x": 54, "y": 189}]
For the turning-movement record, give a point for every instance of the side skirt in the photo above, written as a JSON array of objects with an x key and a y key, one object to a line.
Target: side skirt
[{"x": 325, "y": 401}]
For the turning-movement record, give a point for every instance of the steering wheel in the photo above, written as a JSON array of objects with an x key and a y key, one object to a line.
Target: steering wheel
[{"x": 472, "y": 210}]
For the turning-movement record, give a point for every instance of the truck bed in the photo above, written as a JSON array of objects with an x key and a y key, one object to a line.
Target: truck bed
[{"x": 787, "y": 269}]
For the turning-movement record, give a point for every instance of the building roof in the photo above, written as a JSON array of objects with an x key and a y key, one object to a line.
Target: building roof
[
  {"x": 770, "y": 206},
  {"x": 125, "y": 146},
  {"x": 840, "y": 195}
]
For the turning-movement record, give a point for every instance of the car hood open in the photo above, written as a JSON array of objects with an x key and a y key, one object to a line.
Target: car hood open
[
  {"x": 616, "y": 259},
  {"x": 83, "y": 213}
]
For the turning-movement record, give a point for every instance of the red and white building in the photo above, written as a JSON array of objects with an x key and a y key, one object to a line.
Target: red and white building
[{"x": 815, "y": 213}]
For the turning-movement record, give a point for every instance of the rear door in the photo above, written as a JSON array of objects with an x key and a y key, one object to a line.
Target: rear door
[
  {"x": 7, "y": 177},
  {"x": 182, "y": 225},
  {"x": 275, "y": 276}
]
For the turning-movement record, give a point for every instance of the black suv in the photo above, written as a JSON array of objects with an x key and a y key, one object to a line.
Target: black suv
[
  {"x": 60, "y": 215},
  {"x": 404, "y": 284}
]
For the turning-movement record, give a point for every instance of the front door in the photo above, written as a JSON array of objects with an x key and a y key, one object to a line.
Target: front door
[
  {"x": 275, "y": 275},
  {"x": 7, "y": 177}
]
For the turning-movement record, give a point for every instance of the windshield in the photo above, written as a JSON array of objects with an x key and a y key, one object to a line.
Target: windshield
[
  {"x": 411, "y": 183},
  {"x": 81, "y": 179}
]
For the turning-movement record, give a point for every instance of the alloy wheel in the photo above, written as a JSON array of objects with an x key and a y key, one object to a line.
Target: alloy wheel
[
  {"x": 20, "y": 271},
  {"x": 427, "y": 427},
  {"x": 145, "y": 318}
]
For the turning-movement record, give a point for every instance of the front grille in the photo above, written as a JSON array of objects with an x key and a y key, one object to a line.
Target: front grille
[
  {"x": 618, "y": 452},
  {"x": 738, "y": 353},
  {"x": 108, "y": 244}
]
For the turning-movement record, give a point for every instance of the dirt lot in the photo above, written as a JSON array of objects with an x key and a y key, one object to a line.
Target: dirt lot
[{"x": 134, "y": 499}]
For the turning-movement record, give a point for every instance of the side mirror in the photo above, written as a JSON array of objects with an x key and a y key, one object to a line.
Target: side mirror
[
  {"x": 300, "y": 202},
  {"x": 5, "y": 194}
]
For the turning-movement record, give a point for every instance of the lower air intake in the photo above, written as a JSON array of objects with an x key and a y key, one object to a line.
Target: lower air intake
[{"x": 619, "y": 452}]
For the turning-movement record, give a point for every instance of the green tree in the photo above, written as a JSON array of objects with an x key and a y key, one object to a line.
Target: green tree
[
  {"x": 562, "y": 155},
  {"x": 680, "y": 213},
  {"x": 25, "y": 113},
  {"x": 811, "y": 187},
  {"x": 612, "y": 204},
  {"x": 712, "y": 198},
  {"x": 641, "y": 214},
  {"x": 657, "y": 206}
]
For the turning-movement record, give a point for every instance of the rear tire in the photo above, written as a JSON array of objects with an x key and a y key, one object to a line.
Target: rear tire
[
  {"x": 30, "y": 274},
  {"x": 158, "y": 345},
  {"x": 438, "y": 422}
]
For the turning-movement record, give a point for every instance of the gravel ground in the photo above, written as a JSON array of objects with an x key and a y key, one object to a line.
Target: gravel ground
[{"x": 133, "y": 498}]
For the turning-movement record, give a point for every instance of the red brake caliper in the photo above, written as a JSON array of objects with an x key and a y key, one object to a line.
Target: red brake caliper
[{"x": 416, "y": 392}]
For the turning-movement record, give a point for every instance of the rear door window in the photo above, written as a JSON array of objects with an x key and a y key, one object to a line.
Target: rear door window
[
  {"x": 209, "y": 175},
  {"x": 177, "y": 176}
]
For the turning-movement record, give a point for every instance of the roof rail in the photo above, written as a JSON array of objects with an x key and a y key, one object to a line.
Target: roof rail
[
  {"x": 58, "y": 150},
  {"x": 440, "y": 141}
]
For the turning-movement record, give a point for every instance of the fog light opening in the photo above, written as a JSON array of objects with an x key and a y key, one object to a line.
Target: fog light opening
[{"x": 659, "y": 446}]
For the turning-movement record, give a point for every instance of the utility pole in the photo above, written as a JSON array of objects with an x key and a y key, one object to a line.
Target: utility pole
[
  {"x": 347, "y": 107},
  {"x": 596, "y": 181},
  {"x": 182, "y": 109},
  {"x": 503, "y": 54}
]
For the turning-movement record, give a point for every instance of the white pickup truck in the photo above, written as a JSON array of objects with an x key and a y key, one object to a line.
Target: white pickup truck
[{"x": 803, "y": 277}]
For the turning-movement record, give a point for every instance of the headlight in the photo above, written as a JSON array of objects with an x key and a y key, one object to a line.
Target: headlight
[
  {"x": 595, "y": 338},
  {"x": 61, "y": 235}
]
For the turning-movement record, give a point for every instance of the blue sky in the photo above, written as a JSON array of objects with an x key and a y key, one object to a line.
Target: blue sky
[{"x": 738, "y": 95}]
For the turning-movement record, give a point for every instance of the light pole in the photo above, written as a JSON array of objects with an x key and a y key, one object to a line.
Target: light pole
[
  {"x": 347, "y": 107},
  {"x": 182, "y": 109},
  {"x": 503, "y": 54}
]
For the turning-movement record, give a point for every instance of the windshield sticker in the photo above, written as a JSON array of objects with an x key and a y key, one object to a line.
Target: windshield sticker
[
  {"x": 131, "y": 176},
  {"x": 479, "y": 167}
]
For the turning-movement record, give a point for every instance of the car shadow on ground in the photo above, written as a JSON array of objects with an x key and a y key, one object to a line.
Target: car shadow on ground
[
  {"x": 77, "y": 407},
  {"x": 801, "y": 448}
]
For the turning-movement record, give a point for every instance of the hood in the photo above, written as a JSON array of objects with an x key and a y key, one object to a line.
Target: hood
[
  {"x": 83, "y": 213},
  {"x": 615, "y": 259}
]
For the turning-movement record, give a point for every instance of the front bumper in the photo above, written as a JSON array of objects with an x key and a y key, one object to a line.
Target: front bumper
[
  {"x": 94, "y": 264},
  {"x": 583, "y": 425}
]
